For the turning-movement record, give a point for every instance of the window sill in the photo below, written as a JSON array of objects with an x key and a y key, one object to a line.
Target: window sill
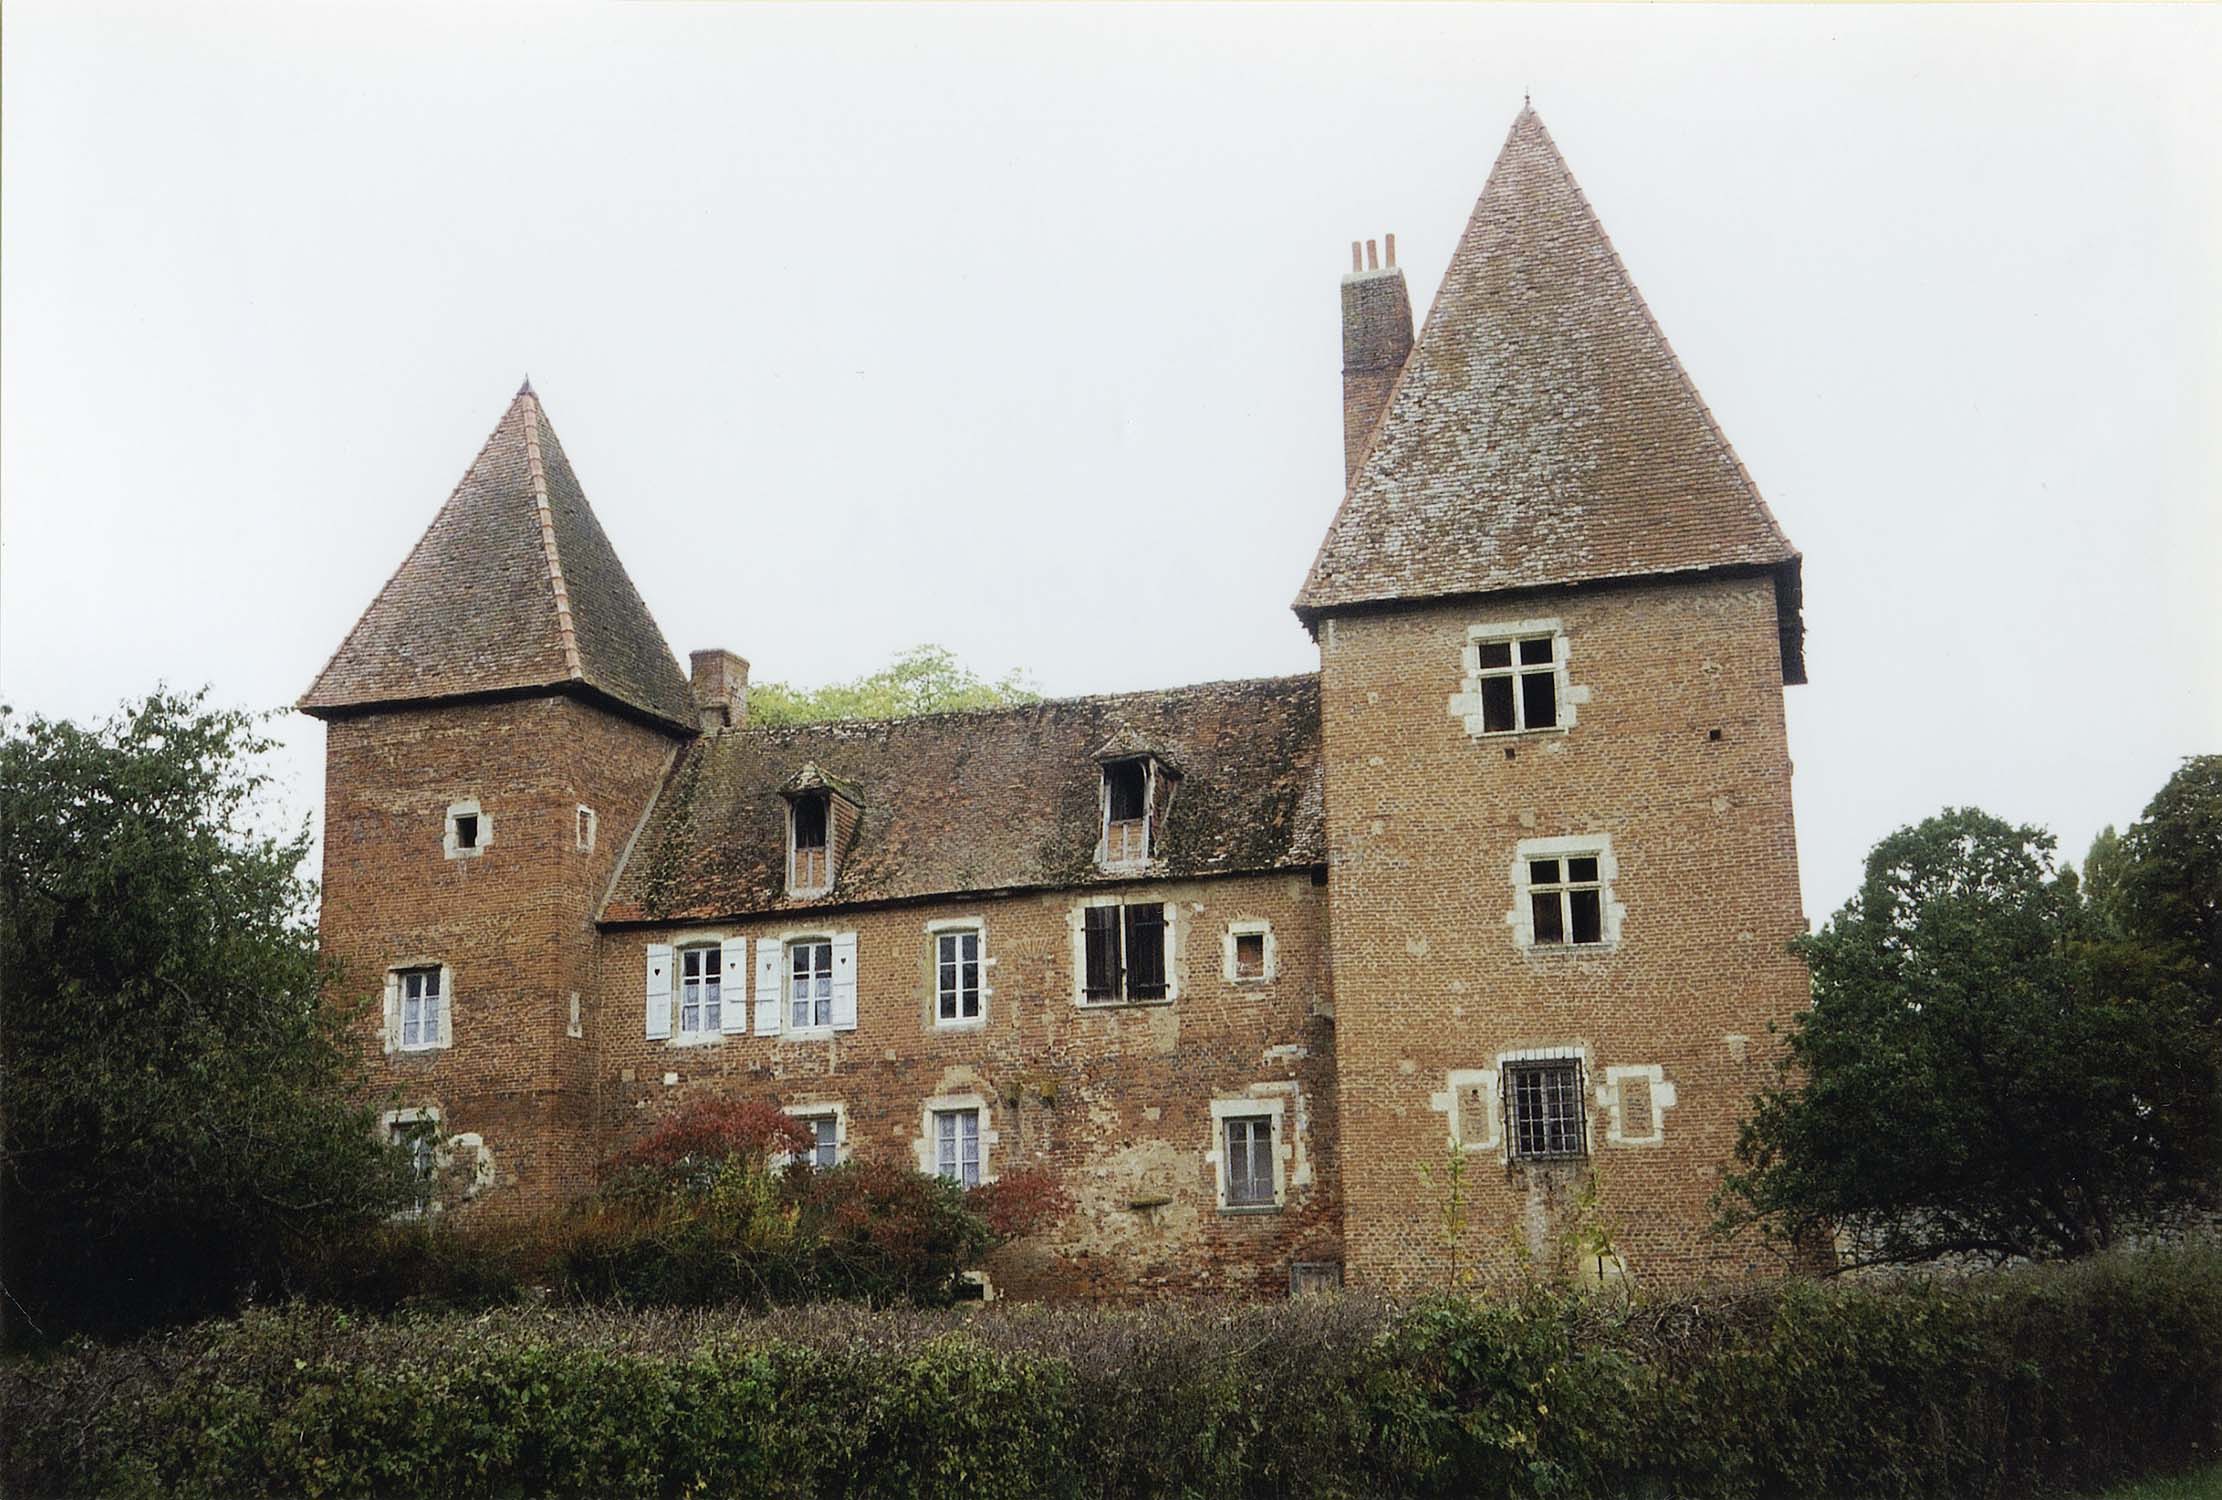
[
  {"x": 1569, "y": 950},
  {"x": 696, "y": 1038},
  {"x": 806, "y": 1034},
  {"x": 1249, "y": 1210},
  {"x": 969, "y": 1023},
  {"x": 401, "y": 1050},
  {"x": 1251, "y": 980},
  {"x": 1124, "y": 1004}
]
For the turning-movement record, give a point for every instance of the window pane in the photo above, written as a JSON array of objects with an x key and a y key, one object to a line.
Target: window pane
[
  {"x": 1589, "y": 916},
  {"x": 1536, "y": 649},
  {"x": 1539, "y": 699},
  {"x": 1550, "y": 924},
  {"x": 1495, "y": 654},
  {"x": 1581, "y": 869},
  {"x": 1542, "y": 872},
  {"x": 1496, "y": 704},
  {"x": 431, "y": 982}
]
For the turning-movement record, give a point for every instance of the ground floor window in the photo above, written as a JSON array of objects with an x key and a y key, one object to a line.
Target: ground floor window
[
  {"x": 1543, "y": 1109},
  {"x": 957, "y": 1145},
  {"x": 1249, "y": 1148}
]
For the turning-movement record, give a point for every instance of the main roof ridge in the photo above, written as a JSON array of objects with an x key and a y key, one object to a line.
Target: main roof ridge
[
  {"x": 937, "y": 717},
  {"x": 1542, "y": 432}
]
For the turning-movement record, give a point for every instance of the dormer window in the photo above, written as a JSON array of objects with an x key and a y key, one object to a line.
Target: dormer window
[
  {"x": 809, "y": 862},
  {"x": 1126, "y": 812}
]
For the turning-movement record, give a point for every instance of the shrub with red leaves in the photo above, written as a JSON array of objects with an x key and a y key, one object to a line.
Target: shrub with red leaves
[
  {"x": 716, "y": 1130},
  {"x": 1018, "y": 1203}
]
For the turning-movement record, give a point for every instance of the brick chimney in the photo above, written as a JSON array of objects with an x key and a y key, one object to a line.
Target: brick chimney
[
  {"x": 720, "y": 683},
  {"x": 1376, "y": 336}
]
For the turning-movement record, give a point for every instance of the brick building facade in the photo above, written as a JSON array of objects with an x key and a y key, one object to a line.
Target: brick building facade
[{"x": 1508, "y": 882}]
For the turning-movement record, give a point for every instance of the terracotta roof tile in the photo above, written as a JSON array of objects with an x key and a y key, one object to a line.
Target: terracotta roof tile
[
  {"x": 1542, "y": 432},
  {"x": 1002, "y": 799},
  {"x": 513, "y": 586}
]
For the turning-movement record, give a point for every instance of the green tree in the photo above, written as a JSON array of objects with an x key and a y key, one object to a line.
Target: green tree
[
  {"x": 2166, "y": 896},
  {"x": 177, "y": 1111},
  {"x": 922, "y": 680},
  {"x": 1984, "y": 1071}
]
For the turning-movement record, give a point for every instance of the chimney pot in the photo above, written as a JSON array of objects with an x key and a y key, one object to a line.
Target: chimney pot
[
  {"x": 1373, "y": 256},
  {"x": 1357, "y": 256},
  {"x": 719, "y": 680},
  {"x": 1388, "y": 245}
]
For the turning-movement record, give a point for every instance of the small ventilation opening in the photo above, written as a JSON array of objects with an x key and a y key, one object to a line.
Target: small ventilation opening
[
  {"x": 466, "y": 830},
  {"x": 1249, "y": 955}
]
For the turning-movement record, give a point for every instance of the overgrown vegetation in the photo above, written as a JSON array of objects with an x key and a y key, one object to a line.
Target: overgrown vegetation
[
  {"x": 2001, "y": 1060},
  {"x": 177, "y": 1111},
  {"x": 922, "y": 680},
  {"x": 2010, "y": 1383}
]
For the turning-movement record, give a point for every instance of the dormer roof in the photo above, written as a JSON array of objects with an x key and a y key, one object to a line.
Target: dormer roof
[
  {"x": 1128, "y": 743},
  {"x": 812, "y": 778},
  {"x": 514, "y": 587},
  {"x": 1542, "y": 432}
]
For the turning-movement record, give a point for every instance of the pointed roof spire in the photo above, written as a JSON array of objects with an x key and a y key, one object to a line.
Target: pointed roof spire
[
  {"x": 1542, "y": 431},
  {"x": 514, "y": 586}
]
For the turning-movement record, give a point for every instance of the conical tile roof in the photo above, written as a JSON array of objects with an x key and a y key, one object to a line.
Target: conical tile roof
[
  {"x": 1542, "y": 431},
  {"x": 513, "y": 587}
]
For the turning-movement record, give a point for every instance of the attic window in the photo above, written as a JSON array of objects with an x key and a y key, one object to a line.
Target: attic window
[
  {"x": 469, "y": 830},
  {"x": 1126, "y": 812},
  {"x": 809, "y": 867}
]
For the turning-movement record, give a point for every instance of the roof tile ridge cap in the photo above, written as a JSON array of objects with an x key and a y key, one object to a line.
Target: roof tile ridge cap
[
  {"x": 891, "y": 720},
  {"x": 537, "y": 471},
  {"x": 1419, "y": 338},
  {"x": 1681, "y": 371},
  {"x": 410, "y": 556}
]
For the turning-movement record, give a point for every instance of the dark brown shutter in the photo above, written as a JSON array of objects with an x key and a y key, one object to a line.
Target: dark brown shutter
[
  {"x": 1145, "y": 952},
  {"x": 1100, "y": 926}
]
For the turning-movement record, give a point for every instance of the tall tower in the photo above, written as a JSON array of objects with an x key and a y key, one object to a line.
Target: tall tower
[
  {"x": 496, "y": 725},
  {"x": 1555, "y": 621}
]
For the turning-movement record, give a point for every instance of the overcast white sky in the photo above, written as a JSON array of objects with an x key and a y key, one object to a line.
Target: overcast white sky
[{"x": 860, "y": 324}]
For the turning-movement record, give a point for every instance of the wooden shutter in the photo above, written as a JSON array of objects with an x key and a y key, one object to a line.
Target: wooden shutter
[
  {"x": 733, "y": 982},
  {"x": 393, "y": 1010},
  {"x": 446, "y": 1031},
  {"x": 844, "y": 981},
  {"x": 1145, "y": 952},
  {"x": 1100, "y": 928},
  {"x": 767, "y": 987},
  {"x": 659, "y": 991}
]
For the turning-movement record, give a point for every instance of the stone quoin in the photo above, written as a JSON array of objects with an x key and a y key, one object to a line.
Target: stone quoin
[{"x": 1510, "y": 879}]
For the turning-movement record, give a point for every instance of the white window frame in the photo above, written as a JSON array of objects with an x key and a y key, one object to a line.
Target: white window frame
[
  {"x": 442, "y": 1020},
  {"x": 1176, "y": 917},
  {"x": 1466, "y": 704},
  {"x": 1521, "y": 919},
  {"x": 788, "y": 1026},
  {"x": 1258, "y": 927},
  {"x": 585, "y": 826},
  {"x": 450, "y": 841},
  {"x": 927, "y": 1145},
  {"x": 681, "y": 1033},
  {"x": 834, "y": 1110},
  {"x": 1246, "y": 1106},
  {"x": 936, "y": 933},
  {"x": 1104, "y": 860}
]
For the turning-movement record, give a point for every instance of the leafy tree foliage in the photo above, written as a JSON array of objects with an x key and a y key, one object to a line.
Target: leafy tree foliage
[
  {"x": 1991, "y": 1067},
  {"x": 922, "y": 680},
  {"x": 176, "y": 1109}
]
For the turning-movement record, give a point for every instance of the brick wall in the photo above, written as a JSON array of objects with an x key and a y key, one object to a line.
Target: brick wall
[
  {"x": 1423, "y": 824},
  {"x": 1115, "y": 1100},
  {"x": 512, "y": 923}
]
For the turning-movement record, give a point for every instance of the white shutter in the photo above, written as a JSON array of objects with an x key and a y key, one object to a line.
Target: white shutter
[
  {"x": 844, "y": 981},
  {"x": 447, "y": 1006},
  {"x": 393, "y": 1009},
  {"x": 767, "y": 987},
  {"x": 659, "y": 991},
  {"x": 733, "y": 1012}
]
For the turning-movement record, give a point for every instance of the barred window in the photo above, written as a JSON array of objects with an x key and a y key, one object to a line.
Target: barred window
[
  {"x": 701, "y": 990},
  {"x": 1543, "y": 1109}
]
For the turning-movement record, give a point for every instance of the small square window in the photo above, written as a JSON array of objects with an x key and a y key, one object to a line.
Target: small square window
[
  {"x": 469, "y": 830},
  {"x": 466, "y": 831},
  {"x": 1544, "y": 1118},
  {"x": 1249, "y": 955}
]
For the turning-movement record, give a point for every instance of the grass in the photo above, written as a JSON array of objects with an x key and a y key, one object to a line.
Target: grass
[{"x": 2199, "y": 1484}]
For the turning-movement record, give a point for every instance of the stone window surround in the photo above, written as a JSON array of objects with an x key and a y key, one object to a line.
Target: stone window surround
[
  {"x": 444, "y": 1031},
  {"x": 587, "y": 825},
  {"x": 925, "y": 1148},
  {"x": 444, "y": 1151},
  {"x": 1662, "y": 1100},
  {"x": 467, "y": 808},
  {"x": 1250, "y": 927},
  {"x": 1176, "y": 925},
  {"x": 1603, "y": 1089},
  {"x": 1291, "y": 1167},
  {"x": 934, "y": 931},
  {"x": 835, "y": 1109},
  {"x": 1465, "y": 704},
  {"x": 1521, "y": 919}
]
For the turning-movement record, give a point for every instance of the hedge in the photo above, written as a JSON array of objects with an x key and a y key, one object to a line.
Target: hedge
[{"x": 2008, "y": 1383}]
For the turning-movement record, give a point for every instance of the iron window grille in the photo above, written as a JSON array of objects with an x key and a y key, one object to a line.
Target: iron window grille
[
  {"x": 1543, "y": 1105},
  {"x": 1566, "y": 901}
]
